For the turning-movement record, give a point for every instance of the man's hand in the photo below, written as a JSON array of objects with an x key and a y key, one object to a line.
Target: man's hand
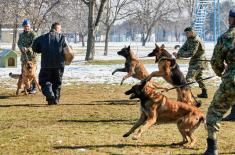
[{"x": 23, "y": 50}]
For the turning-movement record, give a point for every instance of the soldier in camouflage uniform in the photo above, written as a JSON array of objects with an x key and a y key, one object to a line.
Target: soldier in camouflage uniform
[
  {"x": 194, "y": 48},
  {"x": 24, "y": 43},
  {"x": 224, "y": 97}
]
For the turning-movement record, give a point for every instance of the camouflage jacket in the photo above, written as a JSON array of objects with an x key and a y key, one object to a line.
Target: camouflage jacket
[
  {"x": 194, "y": 48},
  {"x": 224, "y": 51},
  {"x": 26, "y": 41}
]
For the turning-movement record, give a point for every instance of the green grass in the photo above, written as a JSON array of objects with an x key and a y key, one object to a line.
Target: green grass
[{"x": 91, "y": 119}]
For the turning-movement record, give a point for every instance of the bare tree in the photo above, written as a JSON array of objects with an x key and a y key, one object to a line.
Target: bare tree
[
  {"x": 15, "y": 8},
  {"x": 82, "y": 23},
  {"x": 189, "y": 5},
  {"x": 38, "y": 10},
  {"x": 93, "y": 24},
  {"x": 6, "y": 16},
  {"x": 150, "y": 12},
  {"x": 115, "y": 10}
]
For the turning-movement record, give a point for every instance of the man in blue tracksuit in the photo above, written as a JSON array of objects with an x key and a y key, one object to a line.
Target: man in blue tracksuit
[{"x": 51, "y": 47}]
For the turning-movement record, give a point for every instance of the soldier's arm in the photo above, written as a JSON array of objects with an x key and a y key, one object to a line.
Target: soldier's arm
[
  {"x": 182, "y": 50},
  {"x": 217, "y": 60},
  {"x": 33, "y": 36},
  {"x": 188, "y": 50},
  {"x": 20, "y": 43}
]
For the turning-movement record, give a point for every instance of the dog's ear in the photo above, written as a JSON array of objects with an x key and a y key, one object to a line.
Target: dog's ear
[
  {"x": 128, "y": 47},
  {"x": 173, "y": 62},
  {"x": 163, "y": 46},
  {"x": 156, "y": 45}
]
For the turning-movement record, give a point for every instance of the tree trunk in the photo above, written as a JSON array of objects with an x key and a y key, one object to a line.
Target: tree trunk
[
  {"x": 144, "y": 40},
  {"x": 83, "y": 42},
  {"x": 15, "y": 33},
  {"x": 91, "y": 32},
  {"x": 0, "y": 32},
  {"x": 106, "y": 41},
  {"x": 75, "y": 38},
  {"x": 81, "y": 38}
]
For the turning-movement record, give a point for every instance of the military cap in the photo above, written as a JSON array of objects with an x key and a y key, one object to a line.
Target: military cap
[
  {"x": 188, "y": 29},
  {"x": 26, "y": 22},
  {"x": 232, "y": 13}
]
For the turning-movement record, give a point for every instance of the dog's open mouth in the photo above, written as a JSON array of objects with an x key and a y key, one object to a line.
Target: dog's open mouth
[{"x": 133, "y": 96}]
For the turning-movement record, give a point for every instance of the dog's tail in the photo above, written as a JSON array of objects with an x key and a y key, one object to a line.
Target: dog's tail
[{"x": 14, "y": 76}]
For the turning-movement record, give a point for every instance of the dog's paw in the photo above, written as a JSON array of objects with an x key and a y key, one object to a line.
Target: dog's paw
[{"x": 113, "y": 73}]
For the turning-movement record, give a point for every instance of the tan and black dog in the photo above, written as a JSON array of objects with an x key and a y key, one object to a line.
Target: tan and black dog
[
  {"x": 133, "y": 66},
  {"x": 170, "y": 71},
  {"x": 27, "y": 77},
  {"x": 157, "y": 107}
]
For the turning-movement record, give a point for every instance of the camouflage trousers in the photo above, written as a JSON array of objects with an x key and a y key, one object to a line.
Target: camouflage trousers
[
  {"x": 197, "y": 75},
  {"x": 223, "y": 100}
]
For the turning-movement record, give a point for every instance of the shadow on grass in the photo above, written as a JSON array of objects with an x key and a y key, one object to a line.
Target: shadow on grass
[
  {"x": 96, "y": 121},
  {"x": 22, "y": 105},
  {"x": 203, "y": 152},
  {"x": 110, "y": 146},
  {"x": 121, "y": 146},
  {"x": 118, "y": 102},
  {"x": 5, "y": 96}
]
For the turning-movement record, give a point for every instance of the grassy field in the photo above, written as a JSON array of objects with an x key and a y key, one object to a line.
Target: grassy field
[{"x": 91, "y": 119}]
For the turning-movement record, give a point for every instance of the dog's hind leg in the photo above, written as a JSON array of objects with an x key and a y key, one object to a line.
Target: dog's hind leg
[
  {"x": 141, "y": 121},
  {"x": 180, "y": 125},
  {"x": 19, "y": 83},
  {"x": 125, "y": 77},
  {"x": 152, "y": 118}
]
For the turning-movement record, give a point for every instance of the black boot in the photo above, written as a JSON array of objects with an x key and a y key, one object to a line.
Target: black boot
[
  {"x": 231, "y": 116},
  {"x": 211, "y": 147},
  {"x": 203, "y": 94}
]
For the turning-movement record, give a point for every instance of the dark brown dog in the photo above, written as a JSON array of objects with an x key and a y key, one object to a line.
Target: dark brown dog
[
  {"x": 155, "y": 106},
  {"x": 133, "y": 66},
  {"x": 27, "y": 77},
  {"x": 170, "y": 71}
]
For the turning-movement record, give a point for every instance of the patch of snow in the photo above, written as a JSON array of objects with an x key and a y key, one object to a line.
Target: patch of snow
[{"x": 80, "y": 72}]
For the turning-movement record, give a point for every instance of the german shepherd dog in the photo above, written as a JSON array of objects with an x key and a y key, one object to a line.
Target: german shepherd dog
[
  {"x": 133, "y": 66},
  {"x": 157, "y": 107},
  {"x": 170, "y": 71},
  {"x": 26, "y": 78}
]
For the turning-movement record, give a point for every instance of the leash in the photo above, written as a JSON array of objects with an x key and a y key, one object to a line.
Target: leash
[
  {"x": 180, "y": 86},
  {"x": 180, "y": 59},
  {"x": 195, "y": 59},
  {"x": 144, "y": 57}
]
